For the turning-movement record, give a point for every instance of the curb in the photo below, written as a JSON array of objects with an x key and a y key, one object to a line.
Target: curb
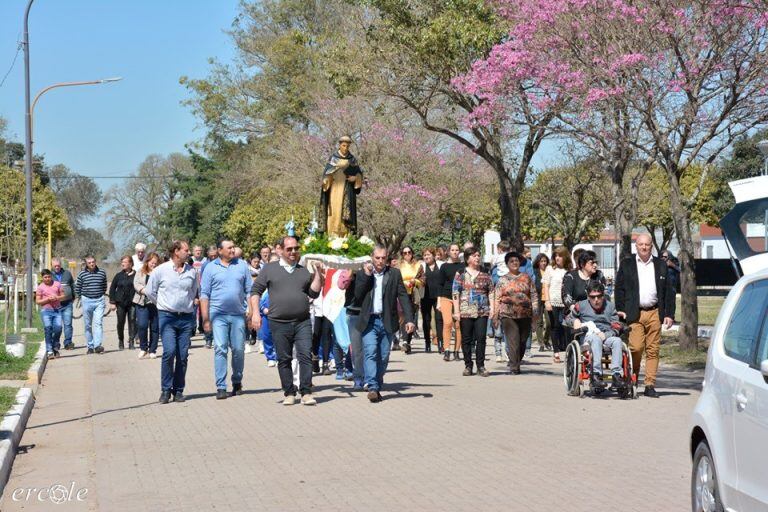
[
  {"x": 36, "y": 371},
  {"x": 11, "y": 430}
]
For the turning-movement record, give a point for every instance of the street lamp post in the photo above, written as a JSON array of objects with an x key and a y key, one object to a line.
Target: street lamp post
[{"x": 29, "y": 112}]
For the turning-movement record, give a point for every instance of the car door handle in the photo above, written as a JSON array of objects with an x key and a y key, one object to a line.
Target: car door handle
[{"x": 741, "y": 402}]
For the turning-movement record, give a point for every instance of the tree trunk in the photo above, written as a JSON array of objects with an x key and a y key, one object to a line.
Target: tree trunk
[
  {"x": 689, "y": 314},
  {"x": 623, "y": 216},
  {"x": 509, "y": 207}
]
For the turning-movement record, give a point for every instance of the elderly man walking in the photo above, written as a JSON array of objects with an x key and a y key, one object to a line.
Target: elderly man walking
[
  {"x": 138, "y": 257},
  {"x": 645, "y": 298},
  {"x": 90, "y": 287},
  {"x": 290, "y": 287},
  {"x": 64, "y": 277},
  {"x": 173, "y": 287},
  {"x": 223, "y": 293},
  {"x": 378, "y": 288}
]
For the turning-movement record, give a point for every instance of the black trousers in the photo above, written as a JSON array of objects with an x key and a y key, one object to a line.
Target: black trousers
[
  {"x": 428, "y": 306},
  {"x": 322, "y": 336},
  {"x": 474, "y": 332},
  {"x": 517, "y": 331},
  {"x": 559, "y": 333},
  {"x": 124, "y": 312},
  {"x": 408, "y": 336},
  {"x": 286, "y": 335}
]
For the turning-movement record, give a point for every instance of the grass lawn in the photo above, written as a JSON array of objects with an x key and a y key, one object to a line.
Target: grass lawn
[
  {"x": 671, "y": 353},
  {"x": 12, "y": 368},
  {"x": 709, "y": 307},
  {"x": 7, "y": 398}
]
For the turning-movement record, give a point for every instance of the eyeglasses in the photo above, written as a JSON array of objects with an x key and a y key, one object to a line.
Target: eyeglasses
[
  {"x": 596, "y": 296},
  {"x": 291, "y": 249}
]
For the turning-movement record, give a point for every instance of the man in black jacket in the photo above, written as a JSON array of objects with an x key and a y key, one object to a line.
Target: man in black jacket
[
  {"x": 646, "y": 300},
  {"x": 377, "y": 289}
]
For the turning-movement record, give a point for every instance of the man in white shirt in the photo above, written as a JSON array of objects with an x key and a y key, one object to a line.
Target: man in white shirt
[{"x": 646, "y": 300}]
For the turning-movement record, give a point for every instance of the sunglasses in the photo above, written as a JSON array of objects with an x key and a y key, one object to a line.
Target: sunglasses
[
  {"x": 291, "y": 249},
  {"x": 596, "y": 296},
  {"x": 407, "y": 252}
]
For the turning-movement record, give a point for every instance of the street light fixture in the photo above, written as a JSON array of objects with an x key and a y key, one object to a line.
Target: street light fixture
[{"x": 29, "y": 109}]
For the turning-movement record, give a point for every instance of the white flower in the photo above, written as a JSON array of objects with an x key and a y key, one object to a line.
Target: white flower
[
  {"x": 337, "y": 243},
  {"x": 308, "y": 240},
  {"x": 365, "y": 240}
]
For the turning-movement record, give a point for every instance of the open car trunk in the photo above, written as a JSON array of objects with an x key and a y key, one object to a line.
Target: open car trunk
[{"x": 746, "y": 225}]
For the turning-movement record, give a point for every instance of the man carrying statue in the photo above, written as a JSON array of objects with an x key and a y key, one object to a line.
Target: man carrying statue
[{"x": 342, "y": 181}]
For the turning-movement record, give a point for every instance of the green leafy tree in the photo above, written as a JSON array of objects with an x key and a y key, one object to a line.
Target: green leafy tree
[
  {"x": 570, "y": 203},
  {"x": 80, "y": 196},
  {"x": 744, "y": 161},
  {"x": 84, "y": 242},
  {"x": 13, "y": 215}
]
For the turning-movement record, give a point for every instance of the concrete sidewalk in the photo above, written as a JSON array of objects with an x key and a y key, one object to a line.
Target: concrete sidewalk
[{"x": 439, "y": 441}]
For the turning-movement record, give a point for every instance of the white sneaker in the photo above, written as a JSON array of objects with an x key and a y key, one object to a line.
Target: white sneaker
[
  {"x": 289, "y": 400},
  {"x": 152, "y": 355},
  {"x": 142, "y": 354},
  {"x": 248, "y": 348},
  {"x": 527, "y": 354},
  {"x": 261, "y": 346},
  {"x": 271, "y": 363},
  {"x": 499, "y": 359},
  {"x": 308, "y": 399}
]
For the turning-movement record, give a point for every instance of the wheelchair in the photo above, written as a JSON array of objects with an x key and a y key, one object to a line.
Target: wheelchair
[{"x": 579, "y": 364}]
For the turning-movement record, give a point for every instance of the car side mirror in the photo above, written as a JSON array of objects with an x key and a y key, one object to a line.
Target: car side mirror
[{"x": 764, "y": 369}]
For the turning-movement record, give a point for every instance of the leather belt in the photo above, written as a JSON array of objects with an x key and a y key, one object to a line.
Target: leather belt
[{"x": 650, "y": 308}]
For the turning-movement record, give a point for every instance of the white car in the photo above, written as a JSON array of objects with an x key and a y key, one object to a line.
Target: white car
[{"x": 729, "y": 426}]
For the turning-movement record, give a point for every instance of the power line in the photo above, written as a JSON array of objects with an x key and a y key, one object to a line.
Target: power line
[
  {"x": 18, "y": 49},
  {"x": 111, "y": 177}
]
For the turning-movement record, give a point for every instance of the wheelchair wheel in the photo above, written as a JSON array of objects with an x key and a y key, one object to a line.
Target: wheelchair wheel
[
  {"x": 630, "y": 384},
  {"x": 572, "y": 369}
]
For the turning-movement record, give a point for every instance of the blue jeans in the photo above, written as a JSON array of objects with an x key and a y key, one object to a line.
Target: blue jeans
[
  {"x": 356, "y": 349},
  {"x": 66, "y": 320},
  {"x": 613, "y": 344},
  {"x": 147, "y": 320},
  {"x": 499, "y": 341},
  {"x": 265, "y": 335},
  {"x": 93, "y": 316},
  {"x": 376, "y": 345},
  {"x": 52, "y": 323},
  {"x": 176, "y": 332},
  {"x": 228, "y": 332}
]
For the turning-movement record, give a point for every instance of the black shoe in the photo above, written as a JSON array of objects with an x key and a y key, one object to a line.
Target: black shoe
[
  {"x": 374, "y": 397},
  {"x": 221, "y": 394},
  {"x": 447, "y": 356},
  {"x": 596, "y": 380},
  {"x": 89, "y": 351},
  {"x": 165, "y": 397},
  {"x": 407, "y": 348},
  {"x": 326, "y": 370},
  {"x": 69, "y": 346},
  {"x": 208, "y": 344},
  {"x": 237, "y": 390},
  {"x": 482, "y": 372},
  {"x": 99, "y": 349},
  {"x": 131, "y": 345},
  {"x": 178, "y": 397},
  {"x": 315, "y": 365},
  {"x": 120, "y": 345},
  {"x": 456, "y": 356},
  {"x": 395, "y": 347},
  {"x": 467, "y": 372},
  {"x": 56, "y": 354},
  {"x": 515, "y": 372},
  {"x": 651, "y": 392},
  {"x": 617, "y": 382}
]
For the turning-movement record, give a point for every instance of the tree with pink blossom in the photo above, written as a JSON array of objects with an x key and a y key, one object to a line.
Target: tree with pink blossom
[{"x": 684, "y": 78}]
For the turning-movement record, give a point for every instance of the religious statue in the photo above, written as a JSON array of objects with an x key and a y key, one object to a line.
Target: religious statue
[
  {"x": 342, "y": 181},
  {"x": 290, "y": 227}
]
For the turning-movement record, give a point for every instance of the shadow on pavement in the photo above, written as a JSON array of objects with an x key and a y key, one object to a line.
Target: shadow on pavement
[{"x": 92, "y": 415}]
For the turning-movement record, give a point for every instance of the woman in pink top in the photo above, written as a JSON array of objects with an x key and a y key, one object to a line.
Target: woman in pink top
[{"x": 48, "y": 296}]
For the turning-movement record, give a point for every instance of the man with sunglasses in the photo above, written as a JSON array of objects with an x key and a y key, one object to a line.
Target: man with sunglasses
[
  {"x": 289, "y": 285},
  {"x": 603, "y": 322}
]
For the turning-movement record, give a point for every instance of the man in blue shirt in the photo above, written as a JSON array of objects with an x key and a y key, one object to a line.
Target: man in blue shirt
[{"x": 225, "y": 285}]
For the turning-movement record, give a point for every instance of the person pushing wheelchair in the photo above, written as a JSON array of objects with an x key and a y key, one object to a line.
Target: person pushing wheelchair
[{"x": 601, "y": 321}]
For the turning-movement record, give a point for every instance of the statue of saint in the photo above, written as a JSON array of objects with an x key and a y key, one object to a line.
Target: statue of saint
[{"x": 342, "y": 181}]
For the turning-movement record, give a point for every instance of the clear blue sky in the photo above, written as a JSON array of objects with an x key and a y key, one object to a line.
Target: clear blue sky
[{"x": 110, "y": 129}]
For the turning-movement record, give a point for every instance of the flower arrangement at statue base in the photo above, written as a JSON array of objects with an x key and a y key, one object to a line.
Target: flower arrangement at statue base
[{"x": 337, "y": 252}]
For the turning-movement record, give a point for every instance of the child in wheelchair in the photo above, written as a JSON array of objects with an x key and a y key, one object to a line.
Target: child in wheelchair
[{"x": 598, "y": 319}]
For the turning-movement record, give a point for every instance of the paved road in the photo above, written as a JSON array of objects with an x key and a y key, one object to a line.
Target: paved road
[{"x": 439, "y": 441}]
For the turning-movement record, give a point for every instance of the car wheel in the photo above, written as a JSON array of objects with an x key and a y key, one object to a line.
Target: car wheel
[{"x": 705, "y": 494}]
